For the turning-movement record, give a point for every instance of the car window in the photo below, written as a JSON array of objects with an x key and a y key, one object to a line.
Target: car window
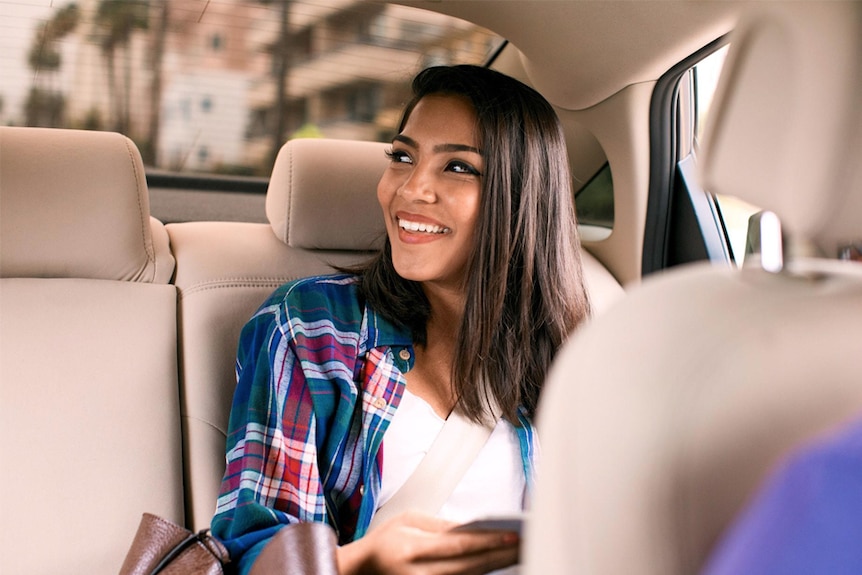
[
  {"x": 732, "y": 211},
  {"x": 595, "y": 205},
  {"x": 215, "y": 88}
]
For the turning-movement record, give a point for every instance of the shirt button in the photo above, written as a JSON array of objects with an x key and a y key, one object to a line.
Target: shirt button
[
  {"x": 379, "y": 402},
  {"x": 362, "y": 490},
  {"x": 404, "y": 354}
]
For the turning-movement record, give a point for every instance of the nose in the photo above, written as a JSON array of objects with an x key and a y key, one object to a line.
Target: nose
[{"x": 418, "y": 186}]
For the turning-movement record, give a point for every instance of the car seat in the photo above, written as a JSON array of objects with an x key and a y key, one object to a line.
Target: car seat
[
  {"x": 323, "y": 212},
  {"x": 662, "y": 417},
  {"x": 89, "y": 406}
]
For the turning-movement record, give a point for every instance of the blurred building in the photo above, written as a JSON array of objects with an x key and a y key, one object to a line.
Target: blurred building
[{"x": 196, "y": 83}]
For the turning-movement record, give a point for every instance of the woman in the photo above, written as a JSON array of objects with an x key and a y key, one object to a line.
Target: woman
[{"x": 344, "y": 380}]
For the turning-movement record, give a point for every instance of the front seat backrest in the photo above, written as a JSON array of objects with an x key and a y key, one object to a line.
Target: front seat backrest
[{"x": 663, "y": 416}]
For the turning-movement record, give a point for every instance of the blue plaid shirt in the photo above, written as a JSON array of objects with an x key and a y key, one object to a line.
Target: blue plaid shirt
[{"x": 319, "y": 377}]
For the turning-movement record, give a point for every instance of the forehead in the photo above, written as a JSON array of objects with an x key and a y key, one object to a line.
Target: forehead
[{"x": 445, "y": 117}]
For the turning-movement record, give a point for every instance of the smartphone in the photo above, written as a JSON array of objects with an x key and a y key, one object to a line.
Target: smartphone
[{"x": 512, "y": 524}]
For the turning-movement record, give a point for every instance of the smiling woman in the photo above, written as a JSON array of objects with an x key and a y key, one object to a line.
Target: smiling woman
[
  {"x": 455, "y": 310},
  {"x": 430, "y": 194},
  {"x": 456, "y": 319}
]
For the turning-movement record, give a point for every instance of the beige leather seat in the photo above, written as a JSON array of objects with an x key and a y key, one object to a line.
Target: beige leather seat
[
  {"x": 89, "y": 411},
  {"x": 664, "y": 415},
  {"x": 317, "y": 206},
  {"x": 323, "y": 210}
]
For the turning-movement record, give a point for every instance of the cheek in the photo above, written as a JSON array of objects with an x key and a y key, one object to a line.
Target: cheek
[
  {"x": 470, "y": 207},
  {"x": 388, "y": 186},
  {"x": 385, "y": 192}
]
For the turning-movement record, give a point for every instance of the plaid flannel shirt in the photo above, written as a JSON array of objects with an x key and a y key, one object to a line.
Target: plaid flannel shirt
[{"x": 319, "y": 377}]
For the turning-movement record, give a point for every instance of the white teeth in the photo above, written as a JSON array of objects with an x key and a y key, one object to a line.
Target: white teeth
[{"x": 426, "y": 228}]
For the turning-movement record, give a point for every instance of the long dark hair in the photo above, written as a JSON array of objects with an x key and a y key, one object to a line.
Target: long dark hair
[{"x": 524, "y": 287}]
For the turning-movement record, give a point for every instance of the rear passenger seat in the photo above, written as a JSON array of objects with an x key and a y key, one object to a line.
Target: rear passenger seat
[
  {"x": 323, "y": 209},
  {"x": 103, "y": 362},
  {"x": 89, "y": 409},
  {"x": 226, "y": 270}
]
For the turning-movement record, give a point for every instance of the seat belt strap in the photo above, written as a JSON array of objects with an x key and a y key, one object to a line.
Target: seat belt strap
[{"x": 454, "y": 449}]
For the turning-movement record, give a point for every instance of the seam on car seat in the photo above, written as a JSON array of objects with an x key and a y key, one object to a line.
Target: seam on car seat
[
  {"x": 287, "y": 222},
  {"x": 235, "y": 282},
  {"x": 149, "y": 250},
  {"x": 205, "y": 422}
]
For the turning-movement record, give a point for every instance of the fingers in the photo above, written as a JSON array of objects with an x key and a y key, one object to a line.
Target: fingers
[
  {"x": 482, "y": 563},
  {"x": 429, "y": 538},
  {"x": 415, "y": 543},
  {"x": 451, "y": 544}
]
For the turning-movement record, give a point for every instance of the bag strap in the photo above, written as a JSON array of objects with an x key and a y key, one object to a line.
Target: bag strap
[
  {"x": 455, "y": 448},
  {"x": 203, "y": 537}
]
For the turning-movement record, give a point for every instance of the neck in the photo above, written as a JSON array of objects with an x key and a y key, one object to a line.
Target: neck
[
  {"x": 447, "y": 312},
  {"x": 431, "y": 376}
]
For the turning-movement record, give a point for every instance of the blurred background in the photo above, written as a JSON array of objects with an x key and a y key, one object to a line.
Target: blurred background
[{"x": 216, "y": 86}]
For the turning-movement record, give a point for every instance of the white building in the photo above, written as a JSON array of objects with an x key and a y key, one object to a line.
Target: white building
[{"x": 204, "y": 118}]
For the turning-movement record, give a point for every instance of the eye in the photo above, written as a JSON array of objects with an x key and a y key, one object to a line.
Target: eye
[
  {"x": 399, "y": 157},
  {"x": 462, "y": 168}
]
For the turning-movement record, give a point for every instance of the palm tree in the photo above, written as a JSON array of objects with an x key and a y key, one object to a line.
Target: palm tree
[
  {"x": 115, "y": 22},
  {"x": 160, "y": 17},
  {"x": 281, "y": 65},
  {"x": 45, "y": 106}
]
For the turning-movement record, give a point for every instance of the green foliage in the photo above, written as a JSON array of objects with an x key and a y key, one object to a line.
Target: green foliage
[
  {"x": 43, "y": 55},
  {"x": 307, "y": 131},
  {"x": 595, "y": 201},
  {"x": 117, "y": 19},
  {"x": 93, "y": 120},
  {"x": 44, "y": 108}
]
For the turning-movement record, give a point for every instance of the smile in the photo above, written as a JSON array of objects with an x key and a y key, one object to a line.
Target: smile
[{"x": 420, "y": 227}]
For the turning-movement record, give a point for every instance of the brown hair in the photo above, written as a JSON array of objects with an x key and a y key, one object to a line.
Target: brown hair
[{"x": 524, "y": 287}]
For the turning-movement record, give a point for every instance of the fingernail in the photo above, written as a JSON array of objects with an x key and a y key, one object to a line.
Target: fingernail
[{"x": 510, "y": 538}]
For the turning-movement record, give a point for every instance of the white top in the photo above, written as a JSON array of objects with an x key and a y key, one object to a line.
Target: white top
[{"x": 493, "y": 486}]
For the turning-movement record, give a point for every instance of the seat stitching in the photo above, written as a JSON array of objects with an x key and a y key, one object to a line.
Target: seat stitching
[
  {"x": 233, "y": 282},
  {"x": 287, "y": 222},
  {"x": 149, "y": 250}
]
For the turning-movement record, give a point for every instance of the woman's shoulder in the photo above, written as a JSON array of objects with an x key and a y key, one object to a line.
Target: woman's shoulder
[
  {"x": 333, "y": 295},
  {"x": 329, "y": 284}
]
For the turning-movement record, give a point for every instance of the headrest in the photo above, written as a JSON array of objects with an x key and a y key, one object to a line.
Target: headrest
[
  {"x": 323, "y": 194},
  {"x": 786, "y": 131},
  {"x": 74, "y": 204}
]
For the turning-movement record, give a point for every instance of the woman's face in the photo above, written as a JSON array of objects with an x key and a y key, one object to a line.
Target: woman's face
[{"x": 430, "y": 193}]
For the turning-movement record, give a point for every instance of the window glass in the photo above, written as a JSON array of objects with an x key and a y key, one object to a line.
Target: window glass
[
  {"x": 595, "y": 205},
  {"x": 707, "y": 72},
  {"x": 262, "y": 72},
  {"x": 734, "y": 212}
]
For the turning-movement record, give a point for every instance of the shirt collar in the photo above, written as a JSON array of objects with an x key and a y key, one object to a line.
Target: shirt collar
[{"x": 381, "y": 332}]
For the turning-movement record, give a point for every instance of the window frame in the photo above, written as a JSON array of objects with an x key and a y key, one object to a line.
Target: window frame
[{"x": 673, "y": 184}]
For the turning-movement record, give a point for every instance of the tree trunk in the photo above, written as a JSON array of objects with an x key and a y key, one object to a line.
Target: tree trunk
[
  {"x": 281, "y": 52},
  {"x": 151, "y": 149}
]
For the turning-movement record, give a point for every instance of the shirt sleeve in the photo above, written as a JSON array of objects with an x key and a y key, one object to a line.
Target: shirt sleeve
[{"x": 272, "y": 477}]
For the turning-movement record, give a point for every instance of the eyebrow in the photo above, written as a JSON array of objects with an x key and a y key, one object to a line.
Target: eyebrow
[{"x": 439, "y": 147}]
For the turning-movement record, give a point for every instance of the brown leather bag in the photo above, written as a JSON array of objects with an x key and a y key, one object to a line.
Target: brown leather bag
[
  {"x": 163, "y": 547},
  {"x": 299, "y": 549}
]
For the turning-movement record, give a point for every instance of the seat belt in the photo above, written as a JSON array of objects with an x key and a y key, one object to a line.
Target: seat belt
[{"x": 454, "y": 449}]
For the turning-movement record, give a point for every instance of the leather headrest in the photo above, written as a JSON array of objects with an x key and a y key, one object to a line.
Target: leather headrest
[
  {"x": 75, "y": 205},
  {"x": 323, "y": 194},
  {"x": 786, "y": 131}
]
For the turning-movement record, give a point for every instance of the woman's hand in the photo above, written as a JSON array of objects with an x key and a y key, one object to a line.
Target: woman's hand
[{"x": 414, "y": 543}]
